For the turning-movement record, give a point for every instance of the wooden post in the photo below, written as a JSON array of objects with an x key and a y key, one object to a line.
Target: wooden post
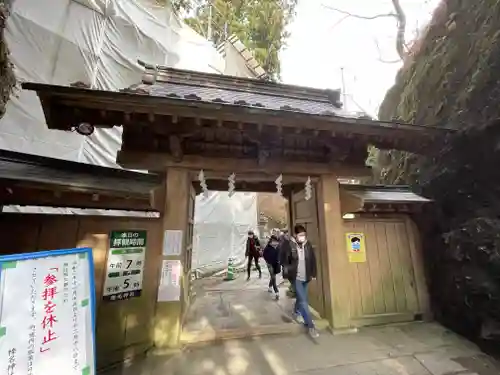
[
  {"x": 289, "y": 210},
  {"x": 335, "y": 266},
  {"x": 168, "y": 315}
]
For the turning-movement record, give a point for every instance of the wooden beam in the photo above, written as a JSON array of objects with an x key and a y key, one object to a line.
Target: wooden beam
[
  {"x": 158, "y": 162},
  {"x": 157, "y": 198},
  {"x": 244, "y": 186},
  {"x": 350, "y": 203},
  {"x": 234, "y": 113},
  {"x": 253, "y": 177},
  {"x": 24, "y": 196}
]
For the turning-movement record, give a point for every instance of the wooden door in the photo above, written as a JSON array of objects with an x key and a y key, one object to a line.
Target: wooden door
[
  {"x": 305, "y": 212},
  {"x": 383, "y": 289}
]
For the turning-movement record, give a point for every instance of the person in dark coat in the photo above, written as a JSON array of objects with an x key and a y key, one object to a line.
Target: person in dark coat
[
  {"x": 284, "y": 249},
  {"x": 284, "y": 245},
  {"x": 252, "y": 253},
  {"x": 299, "y": 266},
  {"x": 271, "y": 256}
]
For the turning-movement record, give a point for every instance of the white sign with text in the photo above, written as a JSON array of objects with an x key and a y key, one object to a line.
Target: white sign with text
[{"x": 46, "y": 313}]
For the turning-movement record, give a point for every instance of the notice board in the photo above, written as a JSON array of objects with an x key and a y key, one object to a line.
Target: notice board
[
  {"x": 47, "y": 313},
  {"x": 125, "y": 266}
]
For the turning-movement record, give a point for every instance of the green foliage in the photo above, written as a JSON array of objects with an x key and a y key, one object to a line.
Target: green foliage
[
  {"x": 178, "y": 5},
  {"x": 259, "y": 24}
]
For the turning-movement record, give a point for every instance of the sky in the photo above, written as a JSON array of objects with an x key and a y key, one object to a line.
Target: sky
[{"x": 323, "y": 43}]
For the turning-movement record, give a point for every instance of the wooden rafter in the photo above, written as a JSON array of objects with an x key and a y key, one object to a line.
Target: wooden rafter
[{"x": 155, "y": 162}]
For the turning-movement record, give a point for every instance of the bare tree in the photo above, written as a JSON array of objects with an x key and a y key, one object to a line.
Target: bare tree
[{"x": 398, "y": 14}]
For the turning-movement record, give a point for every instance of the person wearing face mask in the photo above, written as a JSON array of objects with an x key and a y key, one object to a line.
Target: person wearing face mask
[
  {"x": 252, "y": 252},
  {"x": 271, "y": 256},
  {"x": 299, "y": 266}
]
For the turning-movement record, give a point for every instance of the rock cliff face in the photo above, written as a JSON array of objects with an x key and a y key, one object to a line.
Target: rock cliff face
[{"x": 452, "y": 79}]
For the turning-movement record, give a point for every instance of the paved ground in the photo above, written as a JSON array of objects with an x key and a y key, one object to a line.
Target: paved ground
[
  {"x": 408, "y": 349},
  {"x": 216, "y": 283},
  {"x": 236, "y": 304}
]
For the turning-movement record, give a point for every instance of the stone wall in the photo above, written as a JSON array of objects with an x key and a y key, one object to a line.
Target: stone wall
[{"x": 452, "y": 81}]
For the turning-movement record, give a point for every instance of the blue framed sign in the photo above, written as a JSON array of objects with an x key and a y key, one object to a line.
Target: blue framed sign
[{"x": 47, "y": 313}]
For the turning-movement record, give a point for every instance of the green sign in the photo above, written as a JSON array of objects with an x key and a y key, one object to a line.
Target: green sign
[
  {"x": 127, "y": 239},
  {"x": 125, "y": 266}
]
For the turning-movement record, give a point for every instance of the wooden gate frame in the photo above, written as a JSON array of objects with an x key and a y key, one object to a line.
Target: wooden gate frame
[
  {"x": 169, "y": 122},
  {"x": 332, "y": 261}
]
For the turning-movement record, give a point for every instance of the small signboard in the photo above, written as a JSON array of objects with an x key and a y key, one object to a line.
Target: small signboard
[
  {"x": 356, "y": 249},
  {"x": 170, "y": 281},
  {"x": 47, "y": 313},
  {"x": 125, "y": 266},
  {"x": 172, "y": 242}
]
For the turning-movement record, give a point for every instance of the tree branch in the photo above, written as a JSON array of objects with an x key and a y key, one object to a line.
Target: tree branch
[
  {"x": 348, "y": 14},
  {"x": 398, "y": 15},
  {"x": 380, "y": 55},
  {"x": 400, "y": 35}
]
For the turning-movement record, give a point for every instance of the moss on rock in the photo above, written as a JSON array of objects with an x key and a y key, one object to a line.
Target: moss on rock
[{"x": 453, "y": 81}]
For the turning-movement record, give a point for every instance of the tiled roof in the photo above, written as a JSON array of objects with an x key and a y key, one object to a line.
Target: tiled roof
[
  {"x": 384, "y": 194},
  {"x": 243, "y": 98},
  {"x": 215, "y": 88},
  {"x": 21, "y": 167}
]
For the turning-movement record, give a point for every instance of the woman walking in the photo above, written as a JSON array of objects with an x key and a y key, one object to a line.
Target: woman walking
[
  {"x": 299, "y": 266},
  {"x": 271, "y": 256},
  {"x": 252, "y": 253}
]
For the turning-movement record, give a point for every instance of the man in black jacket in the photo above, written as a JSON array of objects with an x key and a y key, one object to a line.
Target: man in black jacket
[
  {"x": 252, "y": 252},
  {"x": 299, "y": 266}
]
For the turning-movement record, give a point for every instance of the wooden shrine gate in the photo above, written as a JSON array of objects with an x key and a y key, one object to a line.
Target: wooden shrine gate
[{"x": 178, "y": 122}]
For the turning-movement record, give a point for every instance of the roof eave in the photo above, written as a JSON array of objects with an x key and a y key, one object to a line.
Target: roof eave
[{"x": 230, "y": 112}]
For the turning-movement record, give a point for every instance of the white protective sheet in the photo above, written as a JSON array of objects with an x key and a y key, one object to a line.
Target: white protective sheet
[
  {"x": 216, "y": 239},
  {"x": 99, "y": 42}
]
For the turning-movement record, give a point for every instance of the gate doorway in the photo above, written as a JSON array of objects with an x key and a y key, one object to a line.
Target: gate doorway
[{"x": 222, "y": 308}]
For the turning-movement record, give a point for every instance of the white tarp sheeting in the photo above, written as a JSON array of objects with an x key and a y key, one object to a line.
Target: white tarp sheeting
[
  {"x": 99, "y": 42},
  {"x": 215, "y": 239}
]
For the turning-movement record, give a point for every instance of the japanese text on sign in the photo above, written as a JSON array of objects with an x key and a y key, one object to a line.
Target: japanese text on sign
[
  {"x": 169, "y": 288},
  {"x": 125, "y": 265},
  {"x": 49, "y": 319},
  {"x": 55, "y": 330},
  {"x": 12, "y": 361}
]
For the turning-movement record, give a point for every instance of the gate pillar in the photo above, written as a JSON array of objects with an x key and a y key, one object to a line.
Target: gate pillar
[
  {"x": 335, "y": 267},
  {"x": 168, "y": 314}
]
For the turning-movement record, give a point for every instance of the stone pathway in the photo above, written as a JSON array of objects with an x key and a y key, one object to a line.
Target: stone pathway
[
  {"x": 406, "y": 349},
  {"x": 236, "y": 305}
]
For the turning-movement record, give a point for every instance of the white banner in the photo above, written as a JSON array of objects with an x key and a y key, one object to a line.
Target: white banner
[{"x": 47, "y": 313}]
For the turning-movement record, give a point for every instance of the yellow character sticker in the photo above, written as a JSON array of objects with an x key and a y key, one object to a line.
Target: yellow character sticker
[{"x": 356, "y": 250}]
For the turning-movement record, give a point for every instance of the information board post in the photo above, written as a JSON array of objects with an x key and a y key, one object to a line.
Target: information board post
[{"x": 47, "y": 313}]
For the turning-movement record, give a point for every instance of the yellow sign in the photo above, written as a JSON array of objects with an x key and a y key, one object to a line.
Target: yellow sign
[{"x": 356, "y": 250}]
